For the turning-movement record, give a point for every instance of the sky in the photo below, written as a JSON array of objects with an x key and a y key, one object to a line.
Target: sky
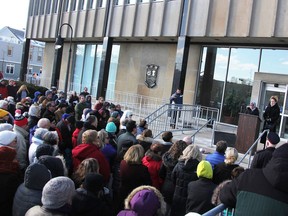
[{"x": 19, "y": 12}]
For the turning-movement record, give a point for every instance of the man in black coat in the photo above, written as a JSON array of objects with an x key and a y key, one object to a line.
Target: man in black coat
[{"x": 262, "y": 157}]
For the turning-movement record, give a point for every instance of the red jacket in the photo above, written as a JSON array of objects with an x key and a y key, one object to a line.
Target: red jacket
[
  {"x": 3, "y": 91},
  {"x": 75, "y": 137},
  {"x": 84, "y": 151}
]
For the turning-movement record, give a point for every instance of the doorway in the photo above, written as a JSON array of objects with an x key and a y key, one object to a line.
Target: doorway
[{"x": 281, "y": 92}]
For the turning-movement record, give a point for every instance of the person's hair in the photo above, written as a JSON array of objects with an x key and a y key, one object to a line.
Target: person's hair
[
  {"x": 40, "y": 132},
  {"x": 21, "y": 88},
  {"x": 134, "y": 154},
  {"x": 191, "y": 152},
  {"x": 274, "y": 98},
  {"x": 89, "y": 136},
  {"x": 102, "y": 134},
  {"x": 89, "y": 165},
  {"x": 142, "y": 123},
  {"x": 221, "y": 146},
  {"x": 147, "y": 133},
  {"x": 79, "y": 124},
  {"x": 237, "y": 171},
  {"x": 131, "y": 124},
  {"x": 91, "y": 119},
  {"x": 167, "y": 136},
  {"x": 50, "y": 104},
  {"x": 177, "y": 148},
  {"x": 51, "y": 138},
  {"x": 44, "y": 123},
  {"x": 231, "y": 155},
  {"x": 41, "y": 99}
]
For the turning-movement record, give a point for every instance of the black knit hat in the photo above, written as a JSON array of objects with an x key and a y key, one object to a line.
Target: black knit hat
[
  {"x": 44, "y": 149},
  {"x": 93, "y": 182},
  {"x": 273, "y": 138}
]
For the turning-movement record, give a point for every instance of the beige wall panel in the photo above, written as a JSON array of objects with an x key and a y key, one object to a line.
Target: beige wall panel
[
  {"x": 90, "y": 22},
  {"x": 263, "y": 18},
  {"x": 155, "y": 23},
  {"x": 281, "y": 28},
  {"x": 41, "y": 26},
  {"x": 80, "y": 24},
  {"x": 115, "y": 27},
  {"x": 171, "y": 22},
  {"x": 132, "y": 68},
  {"x": 128, "y": 20},
  {"x": 99, "y": 22},
  {"x": 29, "y": 27},
  {"x": 198, "y": 18},
  {"x": 239, "y": 18},
  {"x": 192, "y": 74},
  {"x": 35, "y": 27},
  {"x": 218, "y": 19},
  {"x": 46, "y": 30},
  {"x": 47, "y": 65},
  {"x": 141, "y": 20},
  {"x": 54, "y": 30}
]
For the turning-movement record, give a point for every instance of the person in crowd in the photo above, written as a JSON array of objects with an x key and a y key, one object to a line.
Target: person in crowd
[
  {"x": 218, "y": 156},
  {"x": 176, "y": 99},
  {"x": 61, "y": 110},
  {"x": 12, "y": 89},
  {"x": 86, "y": 113},
  {"x": 22, "y": 93},
  {"x": 4, "y": 116},
  {"x": 37, "y": 140},
  {"x": 90, "y": 124},
  {"x": 122, "y": 128},
  {"x": 183, "y": 173},
  {"x": 24, "y": 105},
  {"x": 42, "y": 150},
  {"x": 11, "y": 105},
  {"x": 50, "y": 113},
  {"x": 118, "y": 109},
  {"x": 101, "y": 119},
  {"x": 260, "y": 191},
  {"x": 153, "y": 161},
  {"x": 34, "y": 115},
  {"x": 129, "y": 135},
  {"x": 88, "y": 99},
  {"x": 271, "y": 116},
  {"x": 42, "y": 123},
  {"x": 89, "y": 165},
  {"x": 132, "y": 172},
  {"x": 10, "y": 175},
  {"x": 201, "y": 190},
  {"x": 54, "y": 164},
  {"x": 79, "y": 126},
  {"x": 169, "y": 160},
  {"x": 56, "y": 198},
  {"x": 85, "y": 92},
  {"x": 188, "y": 140},
  {"x": 80, "y": 107},
  {"x": 73, "y": 99},
  {"x": 37, "y": 95},
  {"x": 3, "y": 89},
  {"x": 99, "y": 104},
  {"x": 21, "y": 129},
  {"x": 252, "y": 109},
  {"x": 44, "y": 100},
  {"x": 61, "y": 98},
  {"x": 6, "y": 126},
  {"x": 53, "y": 89},
  {"x": 144, "y": 200},
  {"x": 109, "y": 147},
  {"x": 167, "y": 137},
  {"x": 29, "y": 193},
  {"x": 4, "y": 105},
  {"x": 145, "y": 139},
  {"x": 90, "y": 199},
  {"x": 261, "y": 158},
  {"x": 90, "y": 148},
  {"x": 141, "y": 126},
  {"x": 127, "y": 115},
  {"x": 222, "y": 171}
]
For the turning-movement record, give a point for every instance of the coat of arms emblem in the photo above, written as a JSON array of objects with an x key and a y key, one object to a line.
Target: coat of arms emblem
[{"x": 151, "y": 75}]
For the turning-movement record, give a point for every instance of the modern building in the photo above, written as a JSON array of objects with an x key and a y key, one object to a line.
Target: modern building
[
  {"x": 222, "y": 53},
  {"x": 11, "y": 49}
]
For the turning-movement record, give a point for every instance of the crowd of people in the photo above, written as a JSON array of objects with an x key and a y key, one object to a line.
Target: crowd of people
[{"x": 63, "y": 156}]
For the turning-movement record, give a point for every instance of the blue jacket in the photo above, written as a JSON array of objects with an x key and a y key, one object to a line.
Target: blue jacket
[{"x": 215, "y": 158}]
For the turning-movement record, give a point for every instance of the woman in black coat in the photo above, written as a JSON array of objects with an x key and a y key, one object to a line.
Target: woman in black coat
[{"x": 271, "y": 117}]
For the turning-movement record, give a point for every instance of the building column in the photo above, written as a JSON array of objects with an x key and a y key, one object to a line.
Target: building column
[
  {"x": 24, "y": 59},
  {"x": 181, "y": 63},
  {"x": 56, "y": 67},
  {"x": 104, "y": 66}
]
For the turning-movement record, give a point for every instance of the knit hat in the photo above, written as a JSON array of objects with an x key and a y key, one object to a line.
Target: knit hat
[
  {"x": 3, "y": 113},
  {"x": 204, "y": 169},
  {"x": 57, "y": 192},
  {"x": 65, "y": 116},
  {"x": 273, "y": 138},
  {"x": 48, "y": 92},
  {"x": 10, "y": 99},
  {"x": 36, "y": 176},
  {"x": 54, "y": 164},
  {"x": 93, "y": 182},
  {"x": 7, "y": 137},
  {"x": 20, "y": 120},
  {"x": 145, "y": 202},
  {"x": 115, "y": 114},
  {"x": 44, "y": 149},
  {"x": 34, "y": 110},
  {"x": 111, "y": 127},
  {"x": 188, "y": 140},
  {"x": 5, "y": 126},
  {"x": 281, "y": 152}
]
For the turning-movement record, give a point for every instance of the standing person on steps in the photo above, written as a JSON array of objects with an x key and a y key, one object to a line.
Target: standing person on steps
[{"x": 177, "y": 100}]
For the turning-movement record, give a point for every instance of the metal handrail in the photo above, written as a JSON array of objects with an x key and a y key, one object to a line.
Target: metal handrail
[{"x": 216, "y": 210}]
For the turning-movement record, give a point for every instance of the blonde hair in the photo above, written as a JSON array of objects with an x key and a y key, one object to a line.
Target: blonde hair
[
  {"x": 102, "y": 136},
  {"x": 274, "y": 98},
  {"x": 89, "y": 136},
  {"x": 134, "y": 154},
  {"x": 191, "y": 152},
  {"x": 22, "y": 87},
  {"x": 231, "y": 155}
]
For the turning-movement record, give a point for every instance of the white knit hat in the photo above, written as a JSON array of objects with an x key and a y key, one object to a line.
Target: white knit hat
[
  {"x": 7, "y": 137},
  {"x": 57, "y": 192},
  {"x": 6, "y": 126}
]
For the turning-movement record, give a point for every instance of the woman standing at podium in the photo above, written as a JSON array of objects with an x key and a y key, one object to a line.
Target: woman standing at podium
[
  {"x": 252, "y": 109},
  {"x": 271, "y": 116}
]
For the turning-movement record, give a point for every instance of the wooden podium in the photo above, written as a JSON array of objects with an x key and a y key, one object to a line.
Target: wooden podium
[{"x": 247, "y": 132}]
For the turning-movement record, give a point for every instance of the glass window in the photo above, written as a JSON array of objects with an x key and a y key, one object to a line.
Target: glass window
[
  {"x": 77, "y": 76},
  {"x": 96, "y": 69},
  {"x": 66, "y": 6},
  {"x": 48, "y": 6},
  {"x": 274, "y": 61},
  {"x": 88, "y": 66},
  {"x": 9, "y": 51},
  {"x": 55, "y": 6},
  {"x": 42, "y": 5},
  {"x": 10, "y": 69}
]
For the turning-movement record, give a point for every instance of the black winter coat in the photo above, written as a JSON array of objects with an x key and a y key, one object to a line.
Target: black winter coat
[
  {"x": 222, "y": 172},
  {"x": 261, "y": 158}
]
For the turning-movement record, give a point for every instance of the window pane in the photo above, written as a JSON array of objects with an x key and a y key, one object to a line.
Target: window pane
[
  {"x": 96, "y": 69},
  {"x": 274, "y": 61},
  {"x": 88, "y": 66},
  {"x": 78, "y": 67}
]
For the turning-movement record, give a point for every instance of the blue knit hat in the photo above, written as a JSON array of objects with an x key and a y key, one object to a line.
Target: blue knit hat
[{"x": 111, "y": 127}]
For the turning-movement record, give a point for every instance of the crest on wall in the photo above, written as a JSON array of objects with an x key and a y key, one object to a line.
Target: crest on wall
[{"x": 151, "y": 75}]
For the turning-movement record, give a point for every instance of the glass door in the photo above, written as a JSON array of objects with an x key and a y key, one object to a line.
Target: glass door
[{"x": 281, "y": 92}]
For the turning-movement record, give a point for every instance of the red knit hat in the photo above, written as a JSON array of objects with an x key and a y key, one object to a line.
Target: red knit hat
[{"x": 20, "y": 120}]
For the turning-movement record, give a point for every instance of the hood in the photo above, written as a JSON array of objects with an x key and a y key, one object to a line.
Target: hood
[
  {"x": 152, "y": 156},
  {"x": 204, "y": 169},
  {"x": 83, "y": 151},
  {"x": 54, "y": 164},
  {"x": 276, "y": 172},
  {"x": 36, "y": 176},
  {"x": 191, "y": 165}
]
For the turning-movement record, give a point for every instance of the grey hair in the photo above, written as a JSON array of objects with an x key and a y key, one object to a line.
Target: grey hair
[
  {"x": 40, "y": 132},
  {"x": 191, "y": 152}
]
